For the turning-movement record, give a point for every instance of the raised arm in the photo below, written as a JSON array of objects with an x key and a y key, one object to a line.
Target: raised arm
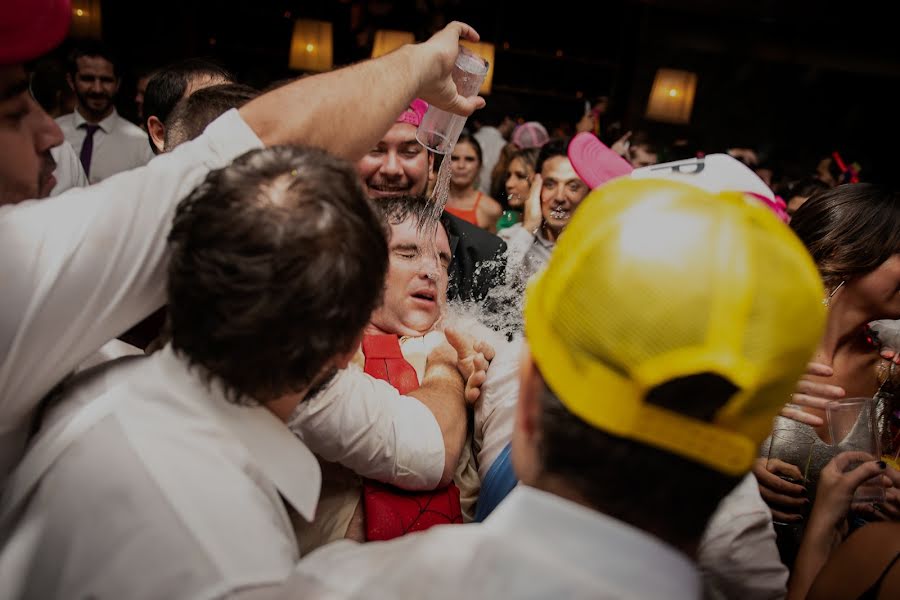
[{"x": 347, "y": 111}]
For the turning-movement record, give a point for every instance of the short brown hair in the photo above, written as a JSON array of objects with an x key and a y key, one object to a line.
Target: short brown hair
[
  {"x": 849, "y": 230},
  {"x": 277, "y": 263}
]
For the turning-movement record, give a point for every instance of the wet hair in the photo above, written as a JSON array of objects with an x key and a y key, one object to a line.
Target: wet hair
[
  {"x": 850, "y": 230},
  {"x": 395, "y": 210},
  {"x": 277, "y": 263},
  {"x": 652, "y": 489},
  {"x": 192, "y": 114},
  {"x": 91, "y": 49},
  {"x": 555, "y": 147}
]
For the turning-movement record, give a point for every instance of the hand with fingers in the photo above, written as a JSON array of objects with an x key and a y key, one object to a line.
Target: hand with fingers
[
  {"x": 474, "y": 358},
  {"x": 814, "y": 395},
  {"x": 438, "y": 55},
  {"x": 620, "y": 146},
  {"x": 837, "y": 484},
  {"x": 786, "y": 499},
  {"x": 533, "y": 215},
  {"x": 889, "y": 510}
]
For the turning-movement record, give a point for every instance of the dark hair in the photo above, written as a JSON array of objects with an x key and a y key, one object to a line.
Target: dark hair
[
  {"x": 168, "y": 85},
  {"x": 555, "y": 147},
  {"x": 278, "y": 261},
  {"x": 650, "y": 488},
  {"x": 91, "y": 49},
  {"x": 395, "y": 210},
  {"x": 470, "y": 139},
  {"x": 850, "y": 229},
  {"x": 192, "y": 114},
  {"x": 804, "y": 188},
  {"x": 642, "y": 138}
]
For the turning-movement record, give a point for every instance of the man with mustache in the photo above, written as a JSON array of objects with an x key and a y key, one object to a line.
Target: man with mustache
[{"x": 106, "y": 143}]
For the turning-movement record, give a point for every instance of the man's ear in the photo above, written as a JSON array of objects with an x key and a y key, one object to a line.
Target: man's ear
[
  {"x": 157, "y": 132},
  {"x": 526, "y": 439}
]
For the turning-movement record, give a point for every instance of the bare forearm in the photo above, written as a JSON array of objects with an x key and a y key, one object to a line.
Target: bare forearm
[
  {"x": 345, "y": 111},
  {"x": 815, "y": 549},
  {"x": 442, "y": 391}
]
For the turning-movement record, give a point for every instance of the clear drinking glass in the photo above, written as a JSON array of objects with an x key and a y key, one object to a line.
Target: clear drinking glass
[
  {"x": 793, "y": 447},
  {"x": 853, "y": 426},
  {"x": 440, "y": 129}
]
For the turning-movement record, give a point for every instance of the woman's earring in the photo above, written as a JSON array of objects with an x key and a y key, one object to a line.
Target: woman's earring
[{"x": 827, "y": 300}]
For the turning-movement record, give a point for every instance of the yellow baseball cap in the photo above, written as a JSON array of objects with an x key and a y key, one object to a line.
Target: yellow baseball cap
[{"x": 657, "y": 280}]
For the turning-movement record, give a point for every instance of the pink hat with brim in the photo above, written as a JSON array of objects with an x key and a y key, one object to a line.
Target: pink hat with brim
[
  {"x": 413, "y": 115},
  {"x": 31, "y": 28},
  {"x": 594, "y": 162}
]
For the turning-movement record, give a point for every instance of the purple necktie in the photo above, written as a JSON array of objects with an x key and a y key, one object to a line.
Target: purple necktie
[{"x": 87, "y": 148}]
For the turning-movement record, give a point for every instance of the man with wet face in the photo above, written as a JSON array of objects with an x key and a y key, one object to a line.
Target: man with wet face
[
  {"x": 399, "y": 165},
  {"x": 106, "y": 143}
]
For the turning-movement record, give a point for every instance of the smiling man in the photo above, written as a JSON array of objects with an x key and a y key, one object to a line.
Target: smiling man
[{"x": 106, "y": 143}]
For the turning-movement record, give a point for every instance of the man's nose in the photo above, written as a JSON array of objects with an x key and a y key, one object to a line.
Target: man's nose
[{"x": 391, "y": 165}]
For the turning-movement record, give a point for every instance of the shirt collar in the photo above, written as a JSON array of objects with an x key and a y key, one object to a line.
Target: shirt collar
[
  {"x": 544, "y": 242},
  {"x": 106, "y": 125},
  {"x": 590, "y": 541},
  {"x": 278, "y": 453}
]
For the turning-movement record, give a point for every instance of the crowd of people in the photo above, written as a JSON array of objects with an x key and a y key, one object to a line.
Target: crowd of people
[{"x": 243, "y": 358}]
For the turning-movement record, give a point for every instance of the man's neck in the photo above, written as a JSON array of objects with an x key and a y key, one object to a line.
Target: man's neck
[
  {"x": 91, "y": 117},
  {"x": 556, "y": 486}
]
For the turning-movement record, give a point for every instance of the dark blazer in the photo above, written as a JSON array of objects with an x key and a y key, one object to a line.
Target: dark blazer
[{"x": 473, "y": 247}]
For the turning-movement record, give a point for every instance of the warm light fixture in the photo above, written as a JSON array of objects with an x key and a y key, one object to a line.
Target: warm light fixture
[
  {"x": 311, "y": 46},
  {"x": 485, "y": 51},
  {"x": 86, "y": 19},
  {"x": 388, "y": 40},
  {"x": 672, "y": 96}
]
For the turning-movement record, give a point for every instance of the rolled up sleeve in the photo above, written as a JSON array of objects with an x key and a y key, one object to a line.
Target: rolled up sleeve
[{"x": 367, "y": 426}]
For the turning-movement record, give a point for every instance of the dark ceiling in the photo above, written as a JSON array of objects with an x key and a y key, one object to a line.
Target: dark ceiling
[{"x": 793, "y": 78}]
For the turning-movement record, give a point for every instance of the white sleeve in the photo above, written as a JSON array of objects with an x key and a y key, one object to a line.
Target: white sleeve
[
  {"x": 367, "y": 426},
  {"x": 69, "y": 172},
  {"x": 738, "y": 556},
  {"x": 80, "y": 268}
]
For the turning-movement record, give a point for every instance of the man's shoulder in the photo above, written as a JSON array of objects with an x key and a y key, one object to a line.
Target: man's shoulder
[
  {"x": 126, "y": 128},
  {"x": 473, "y": 236}
]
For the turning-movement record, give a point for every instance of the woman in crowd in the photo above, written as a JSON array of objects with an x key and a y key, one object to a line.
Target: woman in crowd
[
  {"x": 853, "y": 234},
  {"x": 465, "y": 200},
  {"x": 519, "y": 175}
]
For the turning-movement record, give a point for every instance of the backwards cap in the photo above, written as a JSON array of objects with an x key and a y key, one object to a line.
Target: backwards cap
[
  {"x": 596, "y": 164},
  {"x": 30, "y": 28},
  {"x": 658, "y": 280},
  {"x": 530, "y": 135}
]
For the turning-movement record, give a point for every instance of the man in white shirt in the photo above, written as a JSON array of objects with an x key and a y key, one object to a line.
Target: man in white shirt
[
  {"x": 68, "y": 173},
  {"x": 106, "y": 143},
  {"x": 80, "y": 268},
  {"x": 184, "y": 456},
  {"x": 642, "y": 404}
]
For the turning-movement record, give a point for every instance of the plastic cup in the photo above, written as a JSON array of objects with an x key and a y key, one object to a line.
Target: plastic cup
[{"x": 440, "y": 129}]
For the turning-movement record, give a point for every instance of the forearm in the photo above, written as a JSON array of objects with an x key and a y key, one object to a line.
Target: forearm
[
  {"x": 442, "y": 392},
  {"x": 818, "y": 542},
  {"x": 345, "y": 111}
]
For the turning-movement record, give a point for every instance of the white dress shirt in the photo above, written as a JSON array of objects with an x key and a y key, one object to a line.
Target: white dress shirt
[
  {"x": 534, "y": 545},
  {"x": 495, "y": 409},
  {"x": 170, "y": 490},
  {"x": 119, "y": 144},
  {"x": 738, "y": 555},
  {"x": 365, "y": 424},
  {"x": 68, "y": 172},
  {"x": 80, "y": 268}
]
